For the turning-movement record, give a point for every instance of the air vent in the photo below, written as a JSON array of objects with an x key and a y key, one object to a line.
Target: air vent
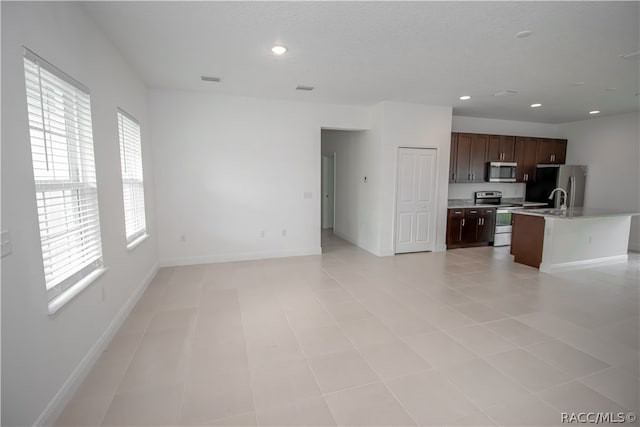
[
  {"x": 506, "y": 93},
  {"x": 303, "y": 87},
  {"x": 210, "y": 79}
]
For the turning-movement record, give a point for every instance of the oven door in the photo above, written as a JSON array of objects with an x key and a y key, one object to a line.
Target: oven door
[
  {"x": 501, "y": 171},
  {"x": 503, "y": 221}
]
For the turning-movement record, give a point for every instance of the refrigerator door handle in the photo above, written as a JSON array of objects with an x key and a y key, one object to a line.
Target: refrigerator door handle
[{"x": 572, "y": 193}]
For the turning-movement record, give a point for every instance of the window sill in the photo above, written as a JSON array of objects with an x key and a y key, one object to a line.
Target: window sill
[
  {"x": 61, "y": 300},
  {"x": 134, "y": 244}
]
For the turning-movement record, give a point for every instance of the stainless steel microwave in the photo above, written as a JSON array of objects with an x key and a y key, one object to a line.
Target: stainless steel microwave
[{"x": 501, "y": 171}]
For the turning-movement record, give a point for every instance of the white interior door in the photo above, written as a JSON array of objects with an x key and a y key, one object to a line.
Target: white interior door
[
  {"x": 327, "y": 191},
  {"x": 415, "y": 200}
]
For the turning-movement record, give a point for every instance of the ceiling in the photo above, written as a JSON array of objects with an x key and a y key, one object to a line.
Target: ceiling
[{"x": 366, "y": 52}]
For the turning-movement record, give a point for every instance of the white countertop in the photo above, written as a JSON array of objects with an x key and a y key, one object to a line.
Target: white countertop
[{"x": 574, "y": 213}]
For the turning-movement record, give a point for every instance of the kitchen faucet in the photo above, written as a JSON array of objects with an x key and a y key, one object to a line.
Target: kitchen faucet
[{"x": 563, "y": 206}]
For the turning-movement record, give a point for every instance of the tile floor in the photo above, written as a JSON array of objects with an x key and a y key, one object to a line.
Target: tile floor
[{"x": 465, "y": 337}]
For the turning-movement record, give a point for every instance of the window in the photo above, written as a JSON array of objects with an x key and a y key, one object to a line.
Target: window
[
  {"x": 65, "y": 180},
  {"x": 132, "y": 181}
]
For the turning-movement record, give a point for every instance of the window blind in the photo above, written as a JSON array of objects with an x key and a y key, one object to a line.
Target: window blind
[
  {"x": 61, "y": 137},
  {"x": 132, "y": 179}
]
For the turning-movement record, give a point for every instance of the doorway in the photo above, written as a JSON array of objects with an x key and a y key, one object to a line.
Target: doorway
[
  {"x": 416, "y": 200},
  {"x": 328, "y": 191}
]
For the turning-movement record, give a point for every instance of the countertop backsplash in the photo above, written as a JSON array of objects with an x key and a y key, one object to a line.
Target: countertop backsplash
[{"x": 466, "y": 191}]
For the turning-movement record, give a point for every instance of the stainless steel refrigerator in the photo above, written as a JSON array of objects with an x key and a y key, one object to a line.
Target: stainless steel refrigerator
[{"x": 571, "y": 178}]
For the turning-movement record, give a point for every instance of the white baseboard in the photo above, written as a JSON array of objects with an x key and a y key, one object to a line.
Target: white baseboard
[
  {"x": 345, "y": 237},
  {"x": 565, "y": 266},
  {"x": 243, "y": 256},
  {"x": 356, "y": 243},
  {"x": 387, "y": 252},
  {"x": 65, "y": 393}
]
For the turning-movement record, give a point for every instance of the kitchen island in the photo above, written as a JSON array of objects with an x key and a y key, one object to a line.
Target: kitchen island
[{"x": 554, "y": 240}]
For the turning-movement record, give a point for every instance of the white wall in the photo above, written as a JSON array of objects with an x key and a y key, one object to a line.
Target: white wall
[
  {"x": 357, "y": 203},
  {"x": 466, "y": 191},
  {"x": 228, "y": 168},
  {"x": 610, "y": 147},
  {"x": 504, "y": 127},
  {"x": 411, "y": 125},
  {"x": 40, "y": 352}
]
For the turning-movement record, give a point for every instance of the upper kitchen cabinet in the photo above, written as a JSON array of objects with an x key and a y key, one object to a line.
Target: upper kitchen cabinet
[
  {"x": 551, "y": 151},
  {"x": 468, "y": 160},
  {"x": 525, "y": 156},
  {"x": 560, "y": 151},
  {"x": 501, "y": 148},
  {"x": 470, "y": 153},
  {"x": 453, "y": 156}
]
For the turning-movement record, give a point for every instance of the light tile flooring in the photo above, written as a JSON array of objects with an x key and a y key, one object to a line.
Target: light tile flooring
[{"x": 465, "y": 337}]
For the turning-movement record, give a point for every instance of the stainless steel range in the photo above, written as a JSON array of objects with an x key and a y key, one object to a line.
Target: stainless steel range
[{"x": 502, "y": 236}]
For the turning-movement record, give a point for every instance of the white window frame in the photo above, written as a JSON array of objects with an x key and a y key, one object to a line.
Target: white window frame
[
  {"x": 61, "y": 139},
  {"x": 132, "y": 178}
]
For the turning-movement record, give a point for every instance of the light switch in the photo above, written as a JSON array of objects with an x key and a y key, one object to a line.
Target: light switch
[{"x": 5, "y": 239}]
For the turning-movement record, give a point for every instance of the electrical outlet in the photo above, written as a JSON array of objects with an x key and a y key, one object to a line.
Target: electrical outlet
[
  {"x": 284, "y": 232},
  {"x": 262, "y": 234},
  {"x": 183, "y": 238}
]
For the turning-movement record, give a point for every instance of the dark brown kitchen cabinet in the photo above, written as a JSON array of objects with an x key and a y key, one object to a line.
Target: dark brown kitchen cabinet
[
  {"x": 470, "y": 227},
  {"x": 487, "y": 226},
  {"x": 470, "y": 151},
  {"x": 526, "y": 239},
  {"x": 455, "y": 224},
  {"x": 500, "y": 148},
  {"x": 453, "y": 156},
  {"x": 551, "y": 151},
  {"x": 525, "y": 156},
  {"x": 560, "y": 151},
  {"x": 463, "y": 158},
  {"x": 478, "y": 153}
]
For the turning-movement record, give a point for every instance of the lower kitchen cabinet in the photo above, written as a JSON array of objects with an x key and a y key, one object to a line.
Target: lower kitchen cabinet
[{"x": 468, "y": 227}]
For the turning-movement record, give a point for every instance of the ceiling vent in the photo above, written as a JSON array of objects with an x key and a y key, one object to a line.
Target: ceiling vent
[
  {"x": 506, "y": 93},
  {"x": 303, "y": 87},
  {"x": 210, "y": 79}
]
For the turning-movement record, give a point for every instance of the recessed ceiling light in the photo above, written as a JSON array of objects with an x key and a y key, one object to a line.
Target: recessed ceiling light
[
  {"x": 610, "y": 89},
  {"x": 279, "y": 50},
  {"x": 536, "y": 105},
  {"x": 304, "y": 87},
  {"x": 594, "y": 112},
  {"x": 523, "y": 34},
  {"x": 465, "y": 97}
]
